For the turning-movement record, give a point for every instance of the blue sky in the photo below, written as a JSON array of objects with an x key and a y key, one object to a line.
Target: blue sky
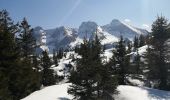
[{"x": 54, "y": 13}]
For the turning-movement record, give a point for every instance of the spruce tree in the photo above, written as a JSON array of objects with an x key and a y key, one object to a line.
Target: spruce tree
[
  {"x": 160, "y": 35},
  {"x": 118, "y": 61},
  {"x": 17, "y": 77},
  {"x": 55, "y": 59},
  {"x": 141, "y": 40},
  {"x": 129, "y": 49},
  {"x": 136, "y": 43},
  {"x": 48, "y": 77},
  {"x": 8, "y": 54},
  {"x": 91, "y": 79},
  {"x": 152, "y": 73},
  {"x": 26, "y": 41},
  {"x": 60, "y": 53},
  {"x": 28, "y": 76},
  {"x": 137, "y": 63}
]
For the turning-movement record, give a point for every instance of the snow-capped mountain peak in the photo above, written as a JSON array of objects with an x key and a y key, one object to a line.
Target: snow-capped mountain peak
[
  {"x": 108, "y": 34},
  {"x": 87, "y": 29},
  {"x": 118, "y": 28}
]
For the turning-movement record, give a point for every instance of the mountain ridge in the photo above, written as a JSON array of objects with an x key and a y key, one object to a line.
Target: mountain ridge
[{"x": 67, "y": 37}]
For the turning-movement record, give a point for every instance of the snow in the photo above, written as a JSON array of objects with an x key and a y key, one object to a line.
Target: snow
[
  {"x": 44, "y": 48},
  {"x": 61, "y": 66},
  {"x": 69, "y": 37},
  {"x": 117, "y": 28},
  {"x": 55, "y": 92},
  {"x": 135, "y": 82},
  {"x": 78, "y": 41},
  {"x": 108, "y": 54},
  {"x": 59, "y": 92},
  {"x": 109, "y": 38},
  {"x": 61, "y": 69},
  {"x": 142, "y": 49},
  {"x": 139, "y": 93},
  {"x": 132, "y": 28}
]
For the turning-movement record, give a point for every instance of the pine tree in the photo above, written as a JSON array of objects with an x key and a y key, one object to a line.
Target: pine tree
[
  {"x": 8, "y": 53},
  {"x": 118, "y": 61},
  {"x": 26, "y": 40},
  {"x": 81, "y": 73},
  {"x": 128, "y": 57},
  {"x": 26, "y": 78},
  {"x": 91, "y": 75},
  {"x": 160, "y": 35},
  {"x": 136, "y": 43},
  {"x": 60, "y": 53},
  {"x": 129, "y": 49},
  {"x": 141, "y": 40},
  {"x": 152, "y": 72},
  {"x": 137, "y": 63},
  {"x": 16, "y": 77},
  {"x": 55, "y": 59},
  {"x": 48, "y": 77}
]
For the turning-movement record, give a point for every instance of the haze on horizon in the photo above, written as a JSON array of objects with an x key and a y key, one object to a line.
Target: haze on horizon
[{"x": 54, "y": 13}]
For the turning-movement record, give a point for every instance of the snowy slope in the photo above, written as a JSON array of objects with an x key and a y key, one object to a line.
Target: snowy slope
[
  {"x": 139, "y": 93},
  {"x": 59, "y": 92},
  {"x": 62, "y": 64},
  {"x": 90, "y": 29},
  {"x": 55, "y": 92}
]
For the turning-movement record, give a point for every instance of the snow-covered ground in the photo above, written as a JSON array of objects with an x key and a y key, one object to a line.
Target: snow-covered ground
[
  {"x": 55, "y": 92},
  {"x": 59, "y": 92},
  {"x": 140, "y": 93}
]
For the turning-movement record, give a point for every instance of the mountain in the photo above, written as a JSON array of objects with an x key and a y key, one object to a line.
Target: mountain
[
  {"x": 40, "y": 35},
  {"x": 89, "y": 30},
  {"x": 118, "y": 28},
  {"x": 66, "y": 37},
  {"x": 60, "y": 37}
]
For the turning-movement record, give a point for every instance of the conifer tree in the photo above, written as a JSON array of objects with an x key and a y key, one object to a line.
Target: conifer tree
[
  {"x": 8, "y": 54},
  {"x": 28, "y": 72},
  {"x": 137, "y": 63},
  {"x": 129, "y": 49},
  {"x": 141, "y": 40},
  {"x": 60, "y": 53},
  {"x": 150, "y": 59},
  {"x": 118, "y": 61},
  {"x": 136, "y": 43},
  {"x": 55, "y": 59},
  {"x": 26, "y": 40},
  {"x": 91, "y": 79},
  {"x": 48, "y": 77},
  {"x": 18, "y": 77},
  {"x": 160, "y": 35}
]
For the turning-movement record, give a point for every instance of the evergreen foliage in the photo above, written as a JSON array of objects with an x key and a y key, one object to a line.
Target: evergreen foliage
[
  {"x": 91, "y": 79},
  {"x": 18, "y": 77},
  {"x": 119, "y": 60},
  {"x": 141, "y": 40},
  {"x": 136, "y": 43},
  {"x": 26, "y": 41},
  {"x": 48, "y": 77},
  {"x": 158, "y": 69},
  {"x": 55, "y": 59}
]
